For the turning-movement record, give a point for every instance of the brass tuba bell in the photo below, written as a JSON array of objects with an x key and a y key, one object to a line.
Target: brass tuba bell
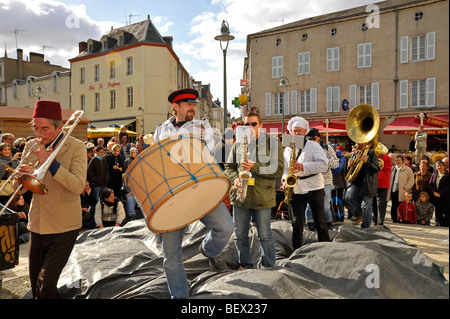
[{"x": 362, "y": 124}]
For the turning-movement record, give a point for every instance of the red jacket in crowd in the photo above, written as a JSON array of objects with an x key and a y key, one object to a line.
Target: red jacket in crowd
[
  {"x": 407, "y": 212},
  {"x": 384, "y": 175}
]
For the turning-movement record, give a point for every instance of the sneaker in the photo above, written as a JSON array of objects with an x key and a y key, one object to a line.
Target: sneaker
[
  {"x": 216, "y": 263},
  {"x": 357, "y": 220}
]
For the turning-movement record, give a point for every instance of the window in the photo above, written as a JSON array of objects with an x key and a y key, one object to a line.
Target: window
[
  {"x": 304, "y": 36},
  {"x": 419, "y": 48},
  {"x": 82, "y": 75},
  {"x": 129, "y": 66},
  {"x": 97, "y": 102},
  {"x": 112, "y": 70},
  {"x": 130, "y": 97},
  {"x": 83, "y": 102},
  {"x": 96, "y": 72},
  {"x": 422, "y": 93},
  {"x": 112, "y": 99},
  {"x": 277, "y": 67},
  {"x": 418, "y": 16},
  {"x": 303, "y": 63},
  {"x": 333, "y": 98},
  {"x": 418, "y": 90},
  {"x": 278, "y": 102},
  {"x": 333, "y": 31},
  {"x": 364, "y": 55},
  {"x": 333, "y": 59},
  {"x": 308, "y": 101}
]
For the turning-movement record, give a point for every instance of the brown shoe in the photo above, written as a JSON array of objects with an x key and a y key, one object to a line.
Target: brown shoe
[{"x": 357, "y": 221}]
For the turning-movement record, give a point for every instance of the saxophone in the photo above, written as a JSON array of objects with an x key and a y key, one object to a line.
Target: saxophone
[
  {"x": 290, "y": 180},
  {"x": 243, "y": 174}
]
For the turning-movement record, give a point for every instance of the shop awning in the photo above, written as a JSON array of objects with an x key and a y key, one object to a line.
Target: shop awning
[
  {"x": 409, "y": 125},
  {"x": 107, "y": 132},
  {"x": 107, "y": 123}
]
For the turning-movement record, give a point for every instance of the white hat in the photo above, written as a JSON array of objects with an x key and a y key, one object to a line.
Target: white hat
[{"x": 297, "y": 121}]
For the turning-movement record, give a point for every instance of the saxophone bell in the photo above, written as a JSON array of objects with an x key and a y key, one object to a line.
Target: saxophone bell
[{"x": 291, "y": 180}]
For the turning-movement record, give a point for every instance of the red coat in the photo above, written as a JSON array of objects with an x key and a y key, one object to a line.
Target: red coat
[
  {"x": 406, "y": 211},
  {"x": 384, "y": 175}
]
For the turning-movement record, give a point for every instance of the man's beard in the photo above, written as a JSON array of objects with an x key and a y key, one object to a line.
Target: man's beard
[{"x": 189, "y": 115}]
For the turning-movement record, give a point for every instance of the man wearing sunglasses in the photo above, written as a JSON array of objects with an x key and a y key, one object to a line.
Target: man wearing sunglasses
[{"x": 266, "y": 164}]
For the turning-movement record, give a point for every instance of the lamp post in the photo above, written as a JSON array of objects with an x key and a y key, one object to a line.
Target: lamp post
[
  {"x": 283, "y": 86},
  {"x": 224, "y": 38}
]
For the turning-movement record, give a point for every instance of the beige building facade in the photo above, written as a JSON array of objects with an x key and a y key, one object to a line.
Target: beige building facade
[
  {"x": 392, "y": 55},
  {"x": 55, "y": 87},
  {"x": 126, "y": 76},
  {"x": 14, "y": 73}
]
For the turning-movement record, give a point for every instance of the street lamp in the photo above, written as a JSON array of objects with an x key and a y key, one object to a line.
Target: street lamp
[
  {"x": 283, "y": 86},
  {"x": 224, "y": 39}
]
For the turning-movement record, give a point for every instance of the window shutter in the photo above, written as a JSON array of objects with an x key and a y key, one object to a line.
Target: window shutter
[
  {"x": 352, "y": 96},
  {"x": 329, "y": 99},
  {"x": 306, "y": 63},
  {"x": 404, "y": 50},
  {"x": 313, "y": 94},
  {"x": 431, "y": 44},
  {"x": 336, "y": 98},
  {"x": 431, "y": 92},
  {"x": 268, "y": 104},
  {"x": 404, "y": 94},
  {"x": 294, "y": 102},
  {"x": 274, "y": 67},
  {"x": 368, "y": 57},
  {"x": 300, "y": 63},
  {"x": 336, "y": 59},
  {"x": 286, "y": 103},
  {"x": 360, "y": 55},
  {"x": 376, "y": 95}
]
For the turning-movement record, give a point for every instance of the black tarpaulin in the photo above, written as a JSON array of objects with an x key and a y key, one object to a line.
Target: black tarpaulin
[{"x": 126, "y": 262}]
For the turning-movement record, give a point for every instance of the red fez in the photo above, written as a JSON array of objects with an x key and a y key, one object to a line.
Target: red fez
[
  {"x": 185, "y": 95},
  {"x": 47, "y": 110},
  {"x": 340, "y": 147}
]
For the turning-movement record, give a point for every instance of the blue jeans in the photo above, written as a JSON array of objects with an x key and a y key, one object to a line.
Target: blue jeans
[
  {"x": 97, "y": 191},
  {"x": 242, "y": 219},
  {"x": 355, "y": 199},
  {"x": 327, "y": 199},
  {"x": 131, "y": 204},
  {"x": 221, "y": 227}
]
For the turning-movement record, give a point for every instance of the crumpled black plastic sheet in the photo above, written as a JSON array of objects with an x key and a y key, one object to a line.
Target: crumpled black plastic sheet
[{"x": 126, "y": 262}]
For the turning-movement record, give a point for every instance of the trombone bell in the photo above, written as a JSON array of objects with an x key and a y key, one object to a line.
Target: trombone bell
[{"x": 33, "y": 184}]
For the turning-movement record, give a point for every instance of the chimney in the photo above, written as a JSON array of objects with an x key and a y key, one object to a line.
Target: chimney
[
  {"x": 82, "y": 46},
  {"x": 20, "y": 63}
]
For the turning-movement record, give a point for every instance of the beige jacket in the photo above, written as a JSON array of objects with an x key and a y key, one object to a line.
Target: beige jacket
[
  {"x": 60, "y": 210},
  {"x": 405, "y": 182}
]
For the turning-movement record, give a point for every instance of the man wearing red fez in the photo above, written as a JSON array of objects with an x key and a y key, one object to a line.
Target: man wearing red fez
[
  {"x": 54, "y": 218},
  {"x": 219, "y": 221}
]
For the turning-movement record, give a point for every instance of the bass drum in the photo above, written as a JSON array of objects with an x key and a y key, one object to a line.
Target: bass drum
[{"x": 176, "y": 182}]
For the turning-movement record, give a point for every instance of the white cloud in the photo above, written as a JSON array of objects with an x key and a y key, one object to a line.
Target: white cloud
[{"x": 47, "y": 23}]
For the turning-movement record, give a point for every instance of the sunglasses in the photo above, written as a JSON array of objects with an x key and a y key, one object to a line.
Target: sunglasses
[{"x": 252, "y": 124}]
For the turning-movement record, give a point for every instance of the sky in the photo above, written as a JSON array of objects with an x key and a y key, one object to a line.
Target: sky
[{"x": 55, "y": 27}]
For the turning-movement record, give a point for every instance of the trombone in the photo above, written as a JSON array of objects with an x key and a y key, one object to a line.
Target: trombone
[{"x": 35, "y": 182}]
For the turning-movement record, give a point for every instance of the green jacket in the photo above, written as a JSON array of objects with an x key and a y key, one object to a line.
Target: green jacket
[{"x": 269, "y": 165}]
